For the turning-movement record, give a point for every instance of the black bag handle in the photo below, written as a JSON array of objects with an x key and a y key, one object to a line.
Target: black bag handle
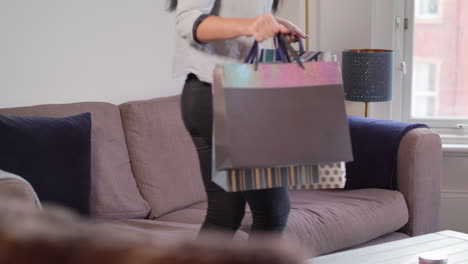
[
  {"x": 288, "y": 50},
  {"x": 283, "y": 48}
]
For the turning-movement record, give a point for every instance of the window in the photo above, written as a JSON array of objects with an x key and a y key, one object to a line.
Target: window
[
  {"x": 435, "y": 88},
  {"x": 427, "y": 9},
  {"x": 425, "y": 89}
]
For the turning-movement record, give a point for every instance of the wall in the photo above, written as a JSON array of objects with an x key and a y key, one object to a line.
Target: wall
[
  {"x": 293, "y": 11},
  {"x": 454, "y": 213},
  {"x": 338, "y": 25},
  {"x": 343, "y": 25},
  {"x": 59, "y": 51}
]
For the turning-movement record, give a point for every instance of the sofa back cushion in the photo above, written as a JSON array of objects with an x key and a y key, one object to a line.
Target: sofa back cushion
[
  {"x": 114, "y": 193},
  {"x": 163, "y": 156},
  {"x": 53, "y": 154}
]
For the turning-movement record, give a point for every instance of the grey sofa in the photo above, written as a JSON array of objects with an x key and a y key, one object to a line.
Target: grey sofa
[{"x": 146, "y": 179}]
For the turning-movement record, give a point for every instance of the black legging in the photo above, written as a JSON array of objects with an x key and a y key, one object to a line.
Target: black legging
[{"x": 270, "y": 208}]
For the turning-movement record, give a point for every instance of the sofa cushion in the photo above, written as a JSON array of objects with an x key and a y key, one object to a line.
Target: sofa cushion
[
  {"x": 327, "y": 221},
  {"x": 334, "y": 220},
  {"x": 151, "y": 230},
  {"x": 160, "y": 231},
  {"x": 53, "y": 154},
  {"x": 114, "y": 193},
  {"x": 164, "y": 158}
]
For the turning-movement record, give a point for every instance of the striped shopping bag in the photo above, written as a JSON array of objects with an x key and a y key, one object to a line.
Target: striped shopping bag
[{"x": 324, "y": 176}]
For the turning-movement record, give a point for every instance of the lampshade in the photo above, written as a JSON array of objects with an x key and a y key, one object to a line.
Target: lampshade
[{"x": 368, "y": 75}]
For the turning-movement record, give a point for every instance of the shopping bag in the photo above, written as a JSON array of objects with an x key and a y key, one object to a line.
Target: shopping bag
[
  {"x": 319, "y": 176},
  {"x": 289, "y": 117}
]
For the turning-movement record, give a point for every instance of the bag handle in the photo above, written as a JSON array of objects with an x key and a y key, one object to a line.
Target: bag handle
[
  {"x": 288, "y": 50},
  {"x": 301, "y": 47},
  {"x": 283, "y": 51},
  {"x": 280, "y": 54},
  {"x": 250, "y": 55}
]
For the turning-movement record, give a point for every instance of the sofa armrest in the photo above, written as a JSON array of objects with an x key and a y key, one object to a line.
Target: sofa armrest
[
  {"x": 419, "y": 170},
  {"x": 14, "y": 189}
]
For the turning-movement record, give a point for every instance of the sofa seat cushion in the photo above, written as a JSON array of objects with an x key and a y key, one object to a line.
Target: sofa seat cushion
[
  {"x": 159, "y": 231},
  {"x": 327, "y": 221},
  {"x": 153, "y": 231},
  {"x": 114, "y": 192}
]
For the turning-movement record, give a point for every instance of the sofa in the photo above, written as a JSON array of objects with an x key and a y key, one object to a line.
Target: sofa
[{"x": 145, "y": 178}]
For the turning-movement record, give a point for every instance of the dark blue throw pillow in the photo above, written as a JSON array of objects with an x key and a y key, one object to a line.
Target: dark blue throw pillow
[{"x": 53, "y": 154}]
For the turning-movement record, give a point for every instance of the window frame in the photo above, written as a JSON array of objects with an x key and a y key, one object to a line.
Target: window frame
[{"x": 452, "y": 130}]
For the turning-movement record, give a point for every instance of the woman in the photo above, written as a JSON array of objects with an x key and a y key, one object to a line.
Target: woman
[{"x": 217, "y": 32}]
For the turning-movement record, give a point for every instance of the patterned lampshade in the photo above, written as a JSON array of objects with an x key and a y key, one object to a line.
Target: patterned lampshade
[{"x": 368, "y": 75}]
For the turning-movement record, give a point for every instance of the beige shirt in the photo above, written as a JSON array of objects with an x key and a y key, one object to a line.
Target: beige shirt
[{"x": 200, "y": 59}]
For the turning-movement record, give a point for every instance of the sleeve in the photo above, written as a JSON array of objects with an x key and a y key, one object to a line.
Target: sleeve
[{"x": 189, "y": 14}]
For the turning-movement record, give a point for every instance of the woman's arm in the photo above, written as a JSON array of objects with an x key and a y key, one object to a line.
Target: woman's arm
[{"x": 215, "y": 28}]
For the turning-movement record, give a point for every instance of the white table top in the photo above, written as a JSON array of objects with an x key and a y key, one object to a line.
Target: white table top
[{"x": 405, "y": 251}]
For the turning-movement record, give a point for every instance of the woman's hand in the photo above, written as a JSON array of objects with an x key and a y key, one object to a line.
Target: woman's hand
[
  {"x": 265, "y": 26},
  {"x": 295, "y": 32}
]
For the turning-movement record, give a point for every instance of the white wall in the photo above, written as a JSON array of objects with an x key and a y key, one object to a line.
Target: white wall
[
  {"x": 293, "y": 10},
  {"x": 59, "y": 51},
  {"x": 344, "y": 25},
  {"x": 338, "y": 25},
  {"x": 454, "y": 213}
]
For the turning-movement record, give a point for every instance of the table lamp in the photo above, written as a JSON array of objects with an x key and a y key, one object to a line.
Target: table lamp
[{"x": 368, "y": 75}]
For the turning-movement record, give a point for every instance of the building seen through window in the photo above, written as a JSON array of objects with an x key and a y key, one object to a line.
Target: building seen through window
[{"x": 440, "y": 63}]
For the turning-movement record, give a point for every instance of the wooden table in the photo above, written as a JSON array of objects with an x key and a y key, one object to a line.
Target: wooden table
[{"x": 405, "y": 251}]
